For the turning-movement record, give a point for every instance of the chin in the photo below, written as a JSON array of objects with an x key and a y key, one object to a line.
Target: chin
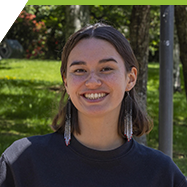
[{"x": 97, "y": 113}]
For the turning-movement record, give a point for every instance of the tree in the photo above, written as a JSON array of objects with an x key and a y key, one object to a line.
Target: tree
[
  {"x": 139, "y": 39},
  {"x": 116, "y": 15},
  {"x": 77, "y": 16},
  {"x": 181, "y": 25}
]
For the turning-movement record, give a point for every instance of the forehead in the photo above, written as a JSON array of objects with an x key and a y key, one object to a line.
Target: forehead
[{"x": 92, "y": 48}]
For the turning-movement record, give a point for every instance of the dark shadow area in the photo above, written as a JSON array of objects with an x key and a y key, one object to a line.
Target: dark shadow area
[
  {"x": 21, "y": 99},
  {"x": 4, "y": 67},
  {"x": 24, "y": 106},
  {"x": 24, "y": 83}
]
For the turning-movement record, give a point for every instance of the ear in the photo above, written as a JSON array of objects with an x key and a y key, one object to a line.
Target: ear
[
  {"x": 65, "y": 82},
  {"x": 132, "y": 77}
]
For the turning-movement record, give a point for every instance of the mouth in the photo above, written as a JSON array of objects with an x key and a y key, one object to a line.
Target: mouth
[{"x": 94, "y": 96}]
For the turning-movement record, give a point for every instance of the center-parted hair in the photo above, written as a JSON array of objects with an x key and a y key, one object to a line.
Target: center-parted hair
[{"x": 141, "y": 121}]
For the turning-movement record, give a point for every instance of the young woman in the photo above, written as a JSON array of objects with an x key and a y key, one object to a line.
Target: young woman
[{"x": 93, "y": 144}]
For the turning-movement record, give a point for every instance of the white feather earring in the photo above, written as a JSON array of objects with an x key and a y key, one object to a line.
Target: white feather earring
[
  {"x": 67, "y": 129},
  {"x": 128, "y": 126}
]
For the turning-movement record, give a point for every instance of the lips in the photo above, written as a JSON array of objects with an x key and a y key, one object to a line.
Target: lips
[{"x": 93, "y": 96}]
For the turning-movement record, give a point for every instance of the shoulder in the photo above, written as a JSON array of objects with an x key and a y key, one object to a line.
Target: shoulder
[
  {"x": 155, "y": 159},
  {"x": 26, "y": 147},
  {"x": 158, "y": 165},
  {"x": 151, "y": 154}
]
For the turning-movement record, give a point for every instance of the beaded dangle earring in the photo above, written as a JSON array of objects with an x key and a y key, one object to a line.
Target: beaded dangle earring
[
  {"x": 67, "y": 130},
  {"x": 128, "y": 126}
]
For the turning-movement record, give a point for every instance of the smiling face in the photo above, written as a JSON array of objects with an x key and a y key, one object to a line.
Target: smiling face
[{"x": 96, "y": 79}]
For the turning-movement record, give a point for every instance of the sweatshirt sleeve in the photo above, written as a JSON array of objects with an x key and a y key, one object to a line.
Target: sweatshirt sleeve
[
  {"x": 6, "y": 176},
  {"x": 183, "y": 183}
]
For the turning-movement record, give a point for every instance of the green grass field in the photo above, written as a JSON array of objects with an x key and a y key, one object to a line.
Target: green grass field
[{"x": 28, "y": 102}]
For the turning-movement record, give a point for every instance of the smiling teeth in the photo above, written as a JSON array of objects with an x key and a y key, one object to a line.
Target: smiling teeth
[{"x": 95, "y": 95}]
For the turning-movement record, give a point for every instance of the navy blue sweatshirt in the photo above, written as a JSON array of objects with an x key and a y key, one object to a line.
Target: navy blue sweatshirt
[{"x": 45, "y": 161}]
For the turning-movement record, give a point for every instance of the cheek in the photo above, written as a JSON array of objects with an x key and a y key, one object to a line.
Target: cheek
[
  {"x": 117, "y": 78},
  {"x": 73, "y": 79},
  {"x": 73, "y": 82},
  {"x": 119, "y": 83}
]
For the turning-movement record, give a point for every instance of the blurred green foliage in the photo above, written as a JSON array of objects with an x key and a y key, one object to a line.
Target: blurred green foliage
[{"x": 41, "y": 28}]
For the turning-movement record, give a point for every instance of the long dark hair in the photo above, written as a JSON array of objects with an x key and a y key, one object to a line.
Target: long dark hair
[{"x": 141, "y": 121}]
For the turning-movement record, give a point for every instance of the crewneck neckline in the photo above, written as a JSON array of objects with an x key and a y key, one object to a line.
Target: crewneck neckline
[{"x": 98, "y": 155}]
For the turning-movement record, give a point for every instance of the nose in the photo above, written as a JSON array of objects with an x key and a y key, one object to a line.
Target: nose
[{"x": 93, "y": 81}]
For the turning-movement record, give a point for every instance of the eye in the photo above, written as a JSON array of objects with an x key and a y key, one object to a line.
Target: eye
[
  {"x": 106, "y": 69},
  {"x": 80, "y": 71}
]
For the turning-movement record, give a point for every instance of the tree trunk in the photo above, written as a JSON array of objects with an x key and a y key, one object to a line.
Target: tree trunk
[
  {"x": 139, "y": 39},
  {"x": 176, "y": 65},
  {"x": 77, "y": 16},
  {"x": 181, "y": 25}
]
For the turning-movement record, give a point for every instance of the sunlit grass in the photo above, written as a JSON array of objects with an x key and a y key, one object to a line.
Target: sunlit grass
[
  {"x": 23, "y": 69},
  {"x": 26, "y": 99}
]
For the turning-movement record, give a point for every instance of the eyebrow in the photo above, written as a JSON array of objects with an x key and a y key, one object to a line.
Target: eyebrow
[
  {"x": 100, "y": 61},
  {"x": 77, "y": 63},
  {"x": 107, "y": 60}
]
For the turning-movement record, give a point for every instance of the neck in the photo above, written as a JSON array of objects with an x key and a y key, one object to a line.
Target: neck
[{"x": 99, "y": 133}]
